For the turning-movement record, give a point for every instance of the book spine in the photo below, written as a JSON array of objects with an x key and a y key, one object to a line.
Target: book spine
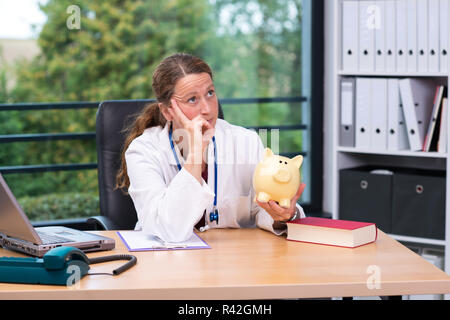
[{"x": 334, "y": 245}]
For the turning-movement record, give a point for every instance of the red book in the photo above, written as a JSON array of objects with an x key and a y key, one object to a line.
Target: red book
[{"x": 341, "y": 233}]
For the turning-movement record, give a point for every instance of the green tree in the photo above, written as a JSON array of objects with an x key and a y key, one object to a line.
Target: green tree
[
  {"x": 111, "y": 56},
  {"x": 9, "y": 120},
  {"x": 262, "y": 54},
  {"x": 3, "y": 78},
  {"x": 255, "y": 53},
  {"x": 114, "y": 53}
]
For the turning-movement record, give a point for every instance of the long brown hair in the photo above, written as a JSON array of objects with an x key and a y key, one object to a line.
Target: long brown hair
[{"x": 166, "y": 75}]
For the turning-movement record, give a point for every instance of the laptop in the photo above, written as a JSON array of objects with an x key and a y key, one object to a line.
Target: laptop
[{"x": 17, "y": 233}]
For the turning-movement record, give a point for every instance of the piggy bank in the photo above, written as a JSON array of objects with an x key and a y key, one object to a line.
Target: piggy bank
[{"x": 277, "y": 178}]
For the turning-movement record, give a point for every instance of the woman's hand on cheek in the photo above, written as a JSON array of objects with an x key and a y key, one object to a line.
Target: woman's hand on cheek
[
  {"x": 198, "y": 131},
  {"x": 178, "y": 117}
]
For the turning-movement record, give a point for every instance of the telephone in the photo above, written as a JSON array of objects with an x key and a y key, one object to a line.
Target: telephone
[{"x": 60, "y": 266}]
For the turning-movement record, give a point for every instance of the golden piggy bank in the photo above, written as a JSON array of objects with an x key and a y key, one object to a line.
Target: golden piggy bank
[{"x": 277, "y": 178}]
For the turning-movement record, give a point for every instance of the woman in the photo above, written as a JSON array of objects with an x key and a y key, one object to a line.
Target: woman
[{"x": 184, "y": 167}]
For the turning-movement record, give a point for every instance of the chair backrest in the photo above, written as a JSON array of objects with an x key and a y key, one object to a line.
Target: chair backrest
[{"x": 112, "y": 117}]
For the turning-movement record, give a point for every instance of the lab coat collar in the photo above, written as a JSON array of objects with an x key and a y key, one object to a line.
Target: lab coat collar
[{"x": 165, "y": 146}]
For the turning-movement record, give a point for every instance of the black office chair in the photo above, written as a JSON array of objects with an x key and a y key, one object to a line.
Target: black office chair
[{"x": 117, "y": 210}]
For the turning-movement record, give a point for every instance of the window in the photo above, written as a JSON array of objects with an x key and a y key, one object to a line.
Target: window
[{"x": 267, "y": 61}]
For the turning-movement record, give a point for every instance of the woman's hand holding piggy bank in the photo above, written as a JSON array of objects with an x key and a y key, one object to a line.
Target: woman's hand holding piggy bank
[{"x": 277, "y": 184}]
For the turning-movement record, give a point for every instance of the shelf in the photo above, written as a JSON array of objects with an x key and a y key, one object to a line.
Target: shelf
[
  {"x": 391, "y": 74},
  {"x": 418, "y": 240},
  {"x": 337, "y": 157},
  {"x": 403, "y": 153}
]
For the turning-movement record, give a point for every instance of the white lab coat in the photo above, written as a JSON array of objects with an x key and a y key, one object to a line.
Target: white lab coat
[{"x": 170, "y": 202}]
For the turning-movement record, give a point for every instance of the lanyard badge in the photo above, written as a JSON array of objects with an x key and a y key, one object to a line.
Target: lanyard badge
[{"x": 214, "y": 215}]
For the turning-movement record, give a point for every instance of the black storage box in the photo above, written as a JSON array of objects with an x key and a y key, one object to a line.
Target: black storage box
[
  {"x": 366, "y": 195},
  {"x": 418, "y": 203}
]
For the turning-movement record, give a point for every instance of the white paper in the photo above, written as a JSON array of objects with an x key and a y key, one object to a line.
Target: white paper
[
  {"x": 350, "y": 35},
  {"x": 347, "y": 104},
  {"x": 401, "y": 30},
  {"x": 366, "y": 36},
  {"x": 443, "y": 35},
  {"x": 363, "y": 113},
  {"x": 390, "y": 35},
  {"x": 140, "y": 241},
  {"x": 378, "y": 137},
  {"x": 433, "y": 35}
]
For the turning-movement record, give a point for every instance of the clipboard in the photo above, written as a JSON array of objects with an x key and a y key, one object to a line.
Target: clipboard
[{"x": 140, "y": 241}]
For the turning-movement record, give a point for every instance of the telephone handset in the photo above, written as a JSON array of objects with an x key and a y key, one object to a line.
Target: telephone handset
[{"x": 60, "y": 266}]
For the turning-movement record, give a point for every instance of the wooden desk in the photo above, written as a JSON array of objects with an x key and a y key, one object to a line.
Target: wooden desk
[{"x": 251, "y": 264}]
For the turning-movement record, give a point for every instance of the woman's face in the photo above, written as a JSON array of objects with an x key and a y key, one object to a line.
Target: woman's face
[{"x": 196, "y": 95}]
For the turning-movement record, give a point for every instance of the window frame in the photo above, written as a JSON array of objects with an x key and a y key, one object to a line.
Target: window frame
[{"x": 315, "y": 105}]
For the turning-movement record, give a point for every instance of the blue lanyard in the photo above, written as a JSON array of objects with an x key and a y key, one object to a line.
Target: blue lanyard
[{"x": 214, "y": 215}]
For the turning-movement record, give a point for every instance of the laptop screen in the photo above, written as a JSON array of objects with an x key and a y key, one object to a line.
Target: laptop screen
[{"x": 13, "y": 221}]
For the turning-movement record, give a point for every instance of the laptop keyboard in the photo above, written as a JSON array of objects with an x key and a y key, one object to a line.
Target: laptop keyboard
[{"x": 49, "y": 239}]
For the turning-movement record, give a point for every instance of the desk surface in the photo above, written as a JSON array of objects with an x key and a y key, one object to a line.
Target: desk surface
[{"x": 251, "y": 264}]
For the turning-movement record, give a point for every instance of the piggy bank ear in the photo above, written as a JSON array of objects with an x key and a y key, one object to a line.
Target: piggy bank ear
[
  {"x": 267, "y": 153},
  {"x": 298, "y": 160}
]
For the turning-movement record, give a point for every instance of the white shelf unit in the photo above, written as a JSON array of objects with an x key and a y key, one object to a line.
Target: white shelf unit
[
  {"x": 404, "y": 153},
  {"x": 337, "y": 157},
  {"x": 391, "y": 74}
]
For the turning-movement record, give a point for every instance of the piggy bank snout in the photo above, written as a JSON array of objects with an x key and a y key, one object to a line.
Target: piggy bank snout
[{"x": 282, "y": 175}]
